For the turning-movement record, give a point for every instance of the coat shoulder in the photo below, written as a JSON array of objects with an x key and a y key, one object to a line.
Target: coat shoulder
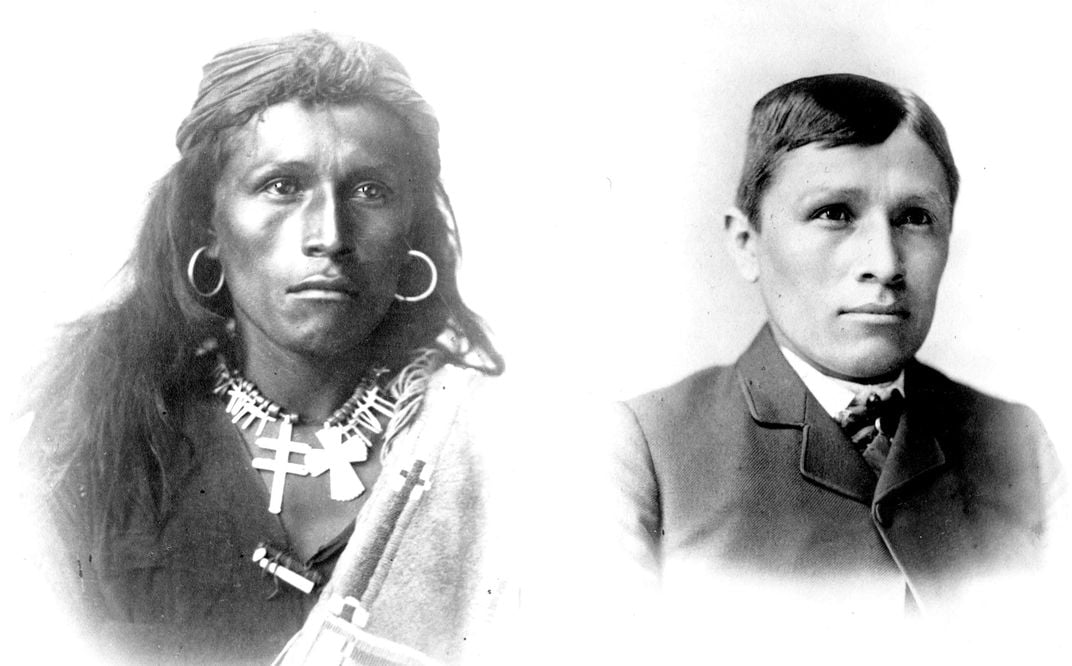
[
  {"x": 996, "y": 443},
  {"x": 668, "y": 407},
  {"x": 957, "y": 406}
]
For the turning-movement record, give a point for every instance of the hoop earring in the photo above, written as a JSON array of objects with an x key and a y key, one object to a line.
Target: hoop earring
[
  {"x": 431, "y": 287},
  {"x": 191, "y": 272}
]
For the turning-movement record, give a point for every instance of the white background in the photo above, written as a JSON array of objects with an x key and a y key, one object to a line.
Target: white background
[{"x": 590, "y": 150}]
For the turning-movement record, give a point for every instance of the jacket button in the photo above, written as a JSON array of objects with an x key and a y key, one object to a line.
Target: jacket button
[{"x": 883, "y": 515}]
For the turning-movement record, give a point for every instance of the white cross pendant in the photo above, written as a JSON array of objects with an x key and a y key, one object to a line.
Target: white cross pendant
[
  {"x": 280, "y": 466},
  {"x": 338, "y": 457}
]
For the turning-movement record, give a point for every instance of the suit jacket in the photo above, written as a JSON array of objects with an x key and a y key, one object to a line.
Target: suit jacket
[{"x": 740, "y": 468}]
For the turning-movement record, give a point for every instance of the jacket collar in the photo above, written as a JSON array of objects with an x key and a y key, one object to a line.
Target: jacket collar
[
  {"x": 914, "y": 451},
  {"x": 777, "y": 397},
  {"x": 774, "y": 392}
]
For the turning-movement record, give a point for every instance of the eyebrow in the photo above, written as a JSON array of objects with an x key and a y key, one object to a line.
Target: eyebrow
[
  {"x": 928, "y": 196},
  {"x": 380, "y": 169},
  {"x": 810, "y": 196}
]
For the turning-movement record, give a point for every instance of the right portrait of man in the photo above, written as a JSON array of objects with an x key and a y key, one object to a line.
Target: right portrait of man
[{"x": 827, "y": 474}]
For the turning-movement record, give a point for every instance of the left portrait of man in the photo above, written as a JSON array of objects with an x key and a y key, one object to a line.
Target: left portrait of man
[{"x": 276, "y": 421}]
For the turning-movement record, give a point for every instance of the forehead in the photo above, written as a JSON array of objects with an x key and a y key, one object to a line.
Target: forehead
[
  {"x": 901, "y": 166},
  {"x": 324, "y": 135}
]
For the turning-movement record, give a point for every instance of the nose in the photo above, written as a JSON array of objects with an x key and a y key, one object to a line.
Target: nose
[
  {"x": 323, "y": 227},
  {"x": 879, "y": 252}
]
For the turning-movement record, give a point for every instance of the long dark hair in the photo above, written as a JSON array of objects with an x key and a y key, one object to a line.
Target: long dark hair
[{"x": 111, "y": 402}]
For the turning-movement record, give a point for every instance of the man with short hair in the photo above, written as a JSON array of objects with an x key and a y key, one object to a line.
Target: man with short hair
[{"x": 827, "y": 468}]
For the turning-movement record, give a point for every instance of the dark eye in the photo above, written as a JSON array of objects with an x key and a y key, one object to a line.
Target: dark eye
[
  {"x": 916, "y": 217},
  {"x": 834, "y": 213},
  {"x": 370, "y": 191},
  {"x": 283, "y": 187}
]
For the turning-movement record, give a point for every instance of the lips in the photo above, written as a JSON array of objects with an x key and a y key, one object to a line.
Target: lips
[
  {"x": 325, "y": 283},
  {"x": 891, "y": 310}
]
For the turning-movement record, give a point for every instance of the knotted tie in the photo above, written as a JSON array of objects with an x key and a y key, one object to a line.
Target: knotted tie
[{"x": 871, "y": 421}]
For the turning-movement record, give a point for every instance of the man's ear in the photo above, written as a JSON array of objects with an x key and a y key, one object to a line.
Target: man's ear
[
  {"x": 212, "y": 247},
  {"x": 741, "y": 240}
]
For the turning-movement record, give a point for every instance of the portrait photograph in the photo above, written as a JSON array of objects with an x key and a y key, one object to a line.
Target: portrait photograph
[{"x": 534, "y": 319}]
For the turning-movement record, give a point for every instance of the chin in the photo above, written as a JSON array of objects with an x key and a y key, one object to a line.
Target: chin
[
  {"x": 874, "y": 359},
  {"x": 326, "y": 344}
]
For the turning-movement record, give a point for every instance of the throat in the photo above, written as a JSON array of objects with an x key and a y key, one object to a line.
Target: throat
[
  {"x": 310, "y": 388},
  {"x": 878, "y": 380},
  {"x": 872, "y": 380}
]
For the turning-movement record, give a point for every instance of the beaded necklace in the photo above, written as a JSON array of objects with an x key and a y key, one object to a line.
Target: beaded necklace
[{"x": 379, "y": 408}]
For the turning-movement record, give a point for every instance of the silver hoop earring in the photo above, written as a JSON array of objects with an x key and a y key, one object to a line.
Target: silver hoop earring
[
  {"x": 191, "y": 273},
  {"x": 431, "y": 287}
]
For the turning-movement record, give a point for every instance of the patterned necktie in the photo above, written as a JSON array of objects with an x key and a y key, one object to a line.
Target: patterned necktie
[{"x": 871, "y": 421}]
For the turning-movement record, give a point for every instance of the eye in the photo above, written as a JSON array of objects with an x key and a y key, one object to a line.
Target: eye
[
  {"x": 839, "y": 213},
  {"x": 283, "y": 187},
  {"x": 916, "y": 217},
  {"x": 370, "y": 191}
]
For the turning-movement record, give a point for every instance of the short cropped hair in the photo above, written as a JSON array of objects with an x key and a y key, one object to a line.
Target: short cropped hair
[{"x": 833, "y": 110}]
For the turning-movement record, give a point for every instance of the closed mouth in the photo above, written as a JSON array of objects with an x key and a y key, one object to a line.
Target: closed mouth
[
  {"x": 337, "y": 284},
  {"x": 892, "y": 310}
]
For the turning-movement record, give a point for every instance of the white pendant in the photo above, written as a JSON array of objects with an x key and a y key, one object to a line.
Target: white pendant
[
  {"x": 339, "y": 458},
  {"x": 280, "y": 465},
  {"x": 241, "y": 406}
]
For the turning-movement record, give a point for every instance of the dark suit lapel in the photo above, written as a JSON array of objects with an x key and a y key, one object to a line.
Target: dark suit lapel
[
  {"x": 828, "y": 459},
  {"x": 923, "y": 522},
  {"x": 913, "y": 453},
  {"x": 778, "y": 399}
]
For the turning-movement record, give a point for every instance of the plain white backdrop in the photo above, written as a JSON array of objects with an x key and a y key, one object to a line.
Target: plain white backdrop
[{"x": 590, "y": 150}]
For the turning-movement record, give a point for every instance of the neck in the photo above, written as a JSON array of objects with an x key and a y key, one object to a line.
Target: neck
[
  {"x": 876, "y": 380},
  {"x": 311, "y": 386}
]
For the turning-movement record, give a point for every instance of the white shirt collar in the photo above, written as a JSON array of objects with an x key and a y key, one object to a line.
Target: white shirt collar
[{"x": 833, "y": 394}]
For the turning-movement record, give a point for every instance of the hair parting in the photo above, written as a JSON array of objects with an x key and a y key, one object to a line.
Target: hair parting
[{"x": 833, "y": 110}]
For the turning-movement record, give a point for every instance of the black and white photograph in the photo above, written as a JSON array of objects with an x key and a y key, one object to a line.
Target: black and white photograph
[{"x": 490, "y": 333}]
